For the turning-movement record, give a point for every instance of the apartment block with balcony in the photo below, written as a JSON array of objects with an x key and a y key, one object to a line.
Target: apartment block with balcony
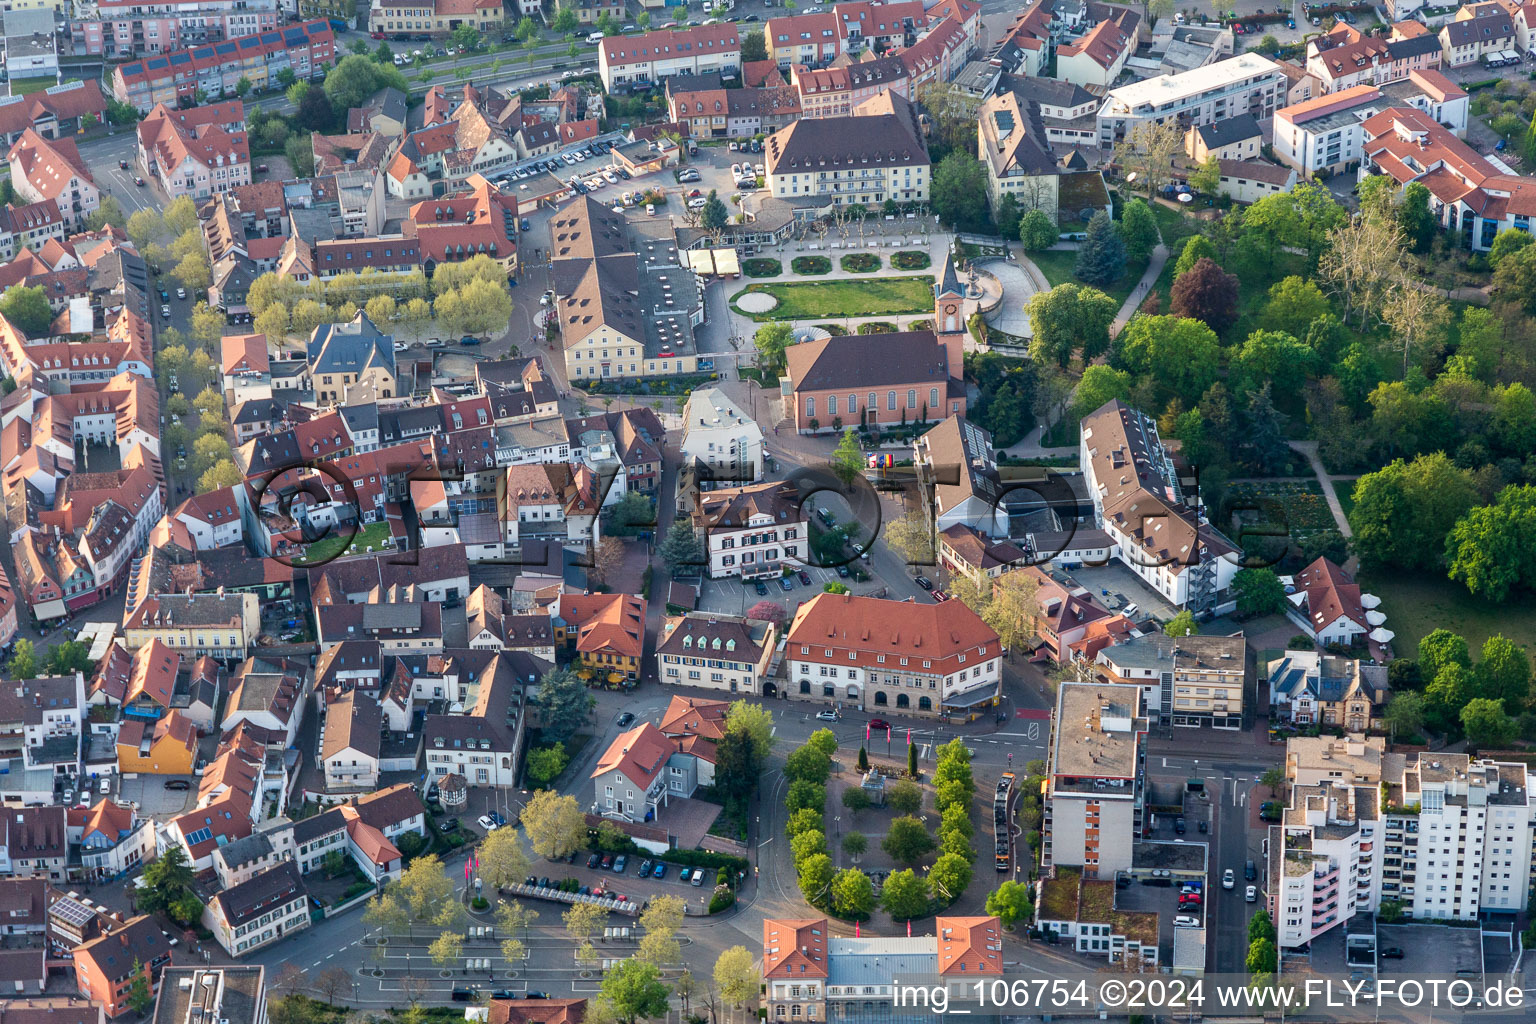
[
  {"x": 1095, "y": 777},
  {"x": 1445, "y": 836},
  {"x": 1245, "y": 84}
]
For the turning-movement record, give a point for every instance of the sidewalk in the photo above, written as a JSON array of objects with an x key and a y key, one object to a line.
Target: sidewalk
[
  {"x": 1309, "y": 449},
  {"x": 1141, "y": 291}
]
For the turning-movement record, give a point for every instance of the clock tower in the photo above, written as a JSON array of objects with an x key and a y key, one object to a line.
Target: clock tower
[{"x": 949, "y": 317}]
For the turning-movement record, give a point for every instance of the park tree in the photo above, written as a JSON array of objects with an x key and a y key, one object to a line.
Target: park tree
[
  {"x": 1294, "y": 303},
  {"x": 1359, "y": 265},
  {"x": 1007, "y": 216},
  {"x": 904, "y": 895},
  {"x": 907, "y": 840},
  {"x": 806, "y": 819},
  {"x": 1447, "y": 693},
  {"x": 1011, "y": 903},
  {"x": 1404, "y": 511},
  {"x": 1486, "y": 724},
  {"x": 1417, "y": 317},
  {"x": 109, "y": 213},
  {"x": 446, "y": 948},
  {"x": 1196, "y": 248},
  {"x": 554, "y": 823},
  {"x": 911, "y": 538},
  {"x": 1489, "y": 550},
  {"x": 583, "y": 920},
  {"x": 1275, "y": 358},
  {"x": 814, "y": 875},
  {"x": 713, "y": 216},
  {"x": 904, "y": 797},
  {"x": 807, "y": 844},
  {"x": 1037, "y": 232},
  {"x": 1070, "y": 320},
  {"x": 1206, "y": 292},
  {"x": 1503, "y": 673},
  {"x": 853, "y": 895},
  {"x": 1099, "y": 384},
  {"x": 1415, "y": 218},
  {"x": 1180, "y": 355},
  {"x": 1100, "y": 257},
  {"x": 1508, "y": 241},
  {"x": 855, "y": 843},
  {"x": 948, "y": 878},
  {"x": 479, "y": 308},
  {"x": 1138, "y": 230},
  {"x": 1439, "y": 648},
  {"x": 958, "y": 192}
]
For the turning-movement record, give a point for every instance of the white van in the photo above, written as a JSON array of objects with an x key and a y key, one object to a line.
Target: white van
[{"x": 594, "y": 37}]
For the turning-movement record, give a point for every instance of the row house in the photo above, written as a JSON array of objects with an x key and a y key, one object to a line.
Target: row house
[
  {"x": 716, "y": 652},
  {"x": 221, "y": 626},
  {"x": 29, "y": 226},
  {"x": 1187, "y": 681},
  {"x": 404, "y": 19},
  {"x": 635, "y": 61},
  {"x": 1478, "y": 30},
  {"x": 34, "y": 842},
  {"x": 258, "y": 911},
  {"x": 307, "y": 49},
  {"x": 1246, "y": 84},
  {"x": 133, "y": 28},
  {"x": 712, "y": 111},
  {"x": 753, "y": 532}
]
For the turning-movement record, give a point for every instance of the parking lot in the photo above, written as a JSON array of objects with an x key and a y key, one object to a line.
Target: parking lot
[
  {"x": 152, "y": 797},
  {"x": 629, "y": 883},
  {"x": 1428, "y": 949},
  {"x": 1114, "y": 586}
]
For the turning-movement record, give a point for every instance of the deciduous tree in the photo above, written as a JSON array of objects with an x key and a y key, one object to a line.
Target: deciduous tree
[
  {"x": 1486, "y": 724},
  {"x": 1011, "y": 903},
  {"x": 1404, "y": 511},
  {"x": 1070, "y": 320},
  {"x": 1037, "y": 232},
  {"x": 1138, "y": 229},
  {"x": 554, "y": 823},
  {"x": 853, "y": 895},
  {"x": 907, "y": 840},
  {"x": 1206, "y": 292},
  {"x": 737, "y": 976}
]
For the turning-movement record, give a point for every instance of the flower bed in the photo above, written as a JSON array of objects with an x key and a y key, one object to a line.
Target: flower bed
[
  {"x": 762, "y": 268},
  {"x": 910, "y": 259},
  {"x": 877, "y": 327},
  {"x": 861, "y": 263},
  {"x": 811, "y": 265}
]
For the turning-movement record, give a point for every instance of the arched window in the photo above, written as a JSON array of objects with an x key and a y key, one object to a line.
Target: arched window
[
  {"x": 805, "y": 686},
  {"x": 880, "y": 700},
  {"x": 903, "y": 701},
  {"x": 925, "y": 703}
]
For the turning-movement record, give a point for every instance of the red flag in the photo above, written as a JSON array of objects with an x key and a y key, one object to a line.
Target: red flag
[
  {"x": 855, "y": 929},
  {"x": 909, "y": 735},
  {"x": 909, "y": 927},
  {"x": 466, "y": 871},
  {"x": 866, "y": 732}
]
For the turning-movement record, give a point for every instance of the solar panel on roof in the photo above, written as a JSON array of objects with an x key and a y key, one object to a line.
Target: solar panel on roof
[
  {"x": 293, "y": 36},
  {"x": 133, "y": 69},
  {"x": 270, "y": 37},
  {"x": 248, "y": 42},
  {"x": 157, "y": 64},
  {"x": 224, "y": 49},
  {"x": 181, "y": 58},
  {"x": 202, "y": 52}
]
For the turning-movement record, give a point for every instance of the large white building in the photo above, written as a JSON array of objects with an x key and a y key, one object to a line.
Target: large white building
[
  {"x": 1094, "y": 803},
  {"x": 1326, "y": 135},
  {"x": 1445, "y": 835},
  {"x": 877, "y": 655},
  {"x": 1137, "y": 499},
  {"x": 1245, "y": 84},
  {"x": 874, "y": 155},
  {"x": 640, "y": 60},
  {"x": 719, "y": 434}
]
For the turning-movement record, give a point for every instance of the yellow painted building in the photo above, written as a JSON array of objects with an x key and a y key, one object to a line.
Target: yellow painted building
[{"x": 166, "y": 747}]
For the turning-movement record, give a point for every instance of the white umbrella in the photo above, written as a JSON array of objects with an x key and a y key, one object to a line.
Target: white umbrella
[
  {"x": 1375, "y": 618},
  {"x": 1185, "y": 197},
  {"x": 1382, "y": 635},
  {"x": 1369, "y": 600}
]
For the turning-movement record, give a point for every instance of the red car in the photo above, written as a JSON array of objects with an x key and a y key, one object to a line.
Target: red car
[
  {"x": 1238, "y": 29},
  {"x": 375, "y": 35},
  {"x": 879, "y": 723}
]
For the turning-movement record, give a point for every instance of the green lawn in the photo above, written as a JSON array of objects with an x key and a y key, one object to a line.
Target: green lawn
[
  {"x": 26, "y": 86},
  {"x": 868, "y": 297},
  {"x": 329, "y": 547},
  {"x": 1418, "y": 603},
  {"x": 1175, "y": 227},
  {"x": 1057, "y": 264},
  {"x": 1344, "y": 490}
]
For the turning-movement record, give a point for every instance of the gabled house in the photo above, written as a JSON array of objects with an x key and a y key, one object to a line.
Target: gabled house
[
  {"x": 1313, "y": 688},
  {"x": 106, "y": 967},
  {"x": 640, "y": 771},
  {"x": 1328, "y": 605}
]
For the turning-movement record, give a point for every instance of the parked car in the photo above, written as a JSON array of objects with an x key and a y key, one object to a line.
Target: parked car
[
  {"x": 924, "y": 582},
  {"x": 786, "y": 583},
  {"x": 698, "y": 877},
  {"x": 447, "y": 825},
  {"x": 469, "y": 339},
  {"x": 1390, "y": 953},
  {"x": 619, "y": 863},
  {"x": 660, "y": 871},
  {"x": 1185, "y": 921},
  {"x": 495, "y": 815},
  {"x": 594, "y": 860},
  {"x": 1204, "y": 827},
  {"x": 485, "y": 822},
  {"x": 805, "y": 577},
  {"x": 1250, "y": 872},
  {"x": 842, "y": 572},
  {"x": 645, "y": 867},
  {"x": 607, "y": 861},
  {"x": 1228, "y": 880},
  {"x": 1179, "y": 827},
  {"x": 827, "y": 716},
  {"x": 181, "y": 293},
  {"x": 1252, "y": 894},
  {"x": 760, "y": 587}
]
